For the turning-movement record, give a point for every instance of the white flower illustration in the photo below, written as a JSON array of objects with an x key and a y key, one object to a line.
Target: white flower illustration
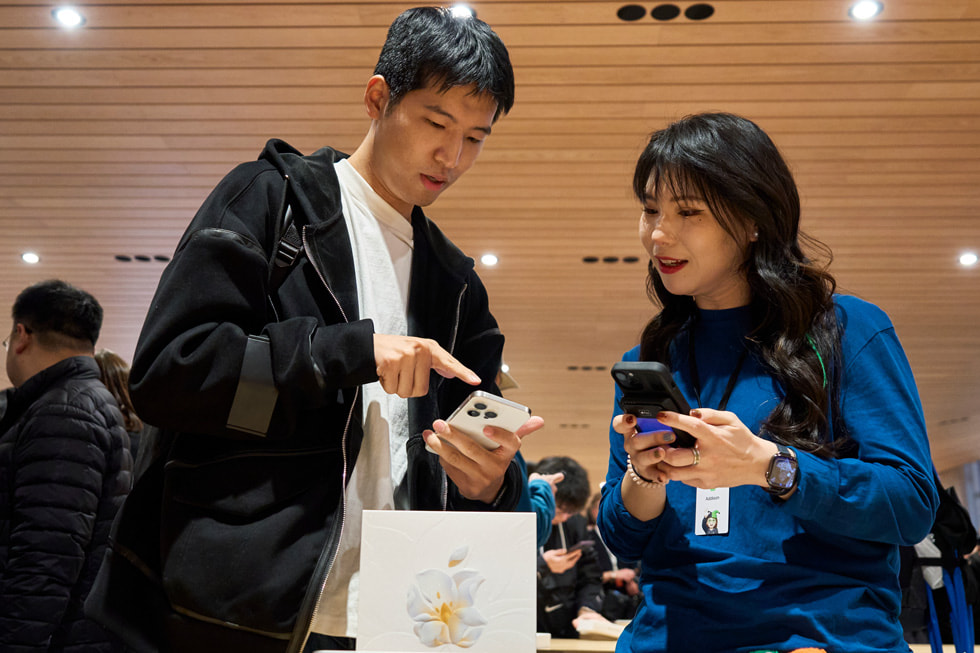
[{"x": 442, "y": 607}]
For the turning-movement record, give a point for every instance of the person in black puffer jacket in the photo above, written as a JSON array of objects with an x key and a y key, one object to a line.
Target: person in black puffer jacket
[{"x": 65, "y": 469}]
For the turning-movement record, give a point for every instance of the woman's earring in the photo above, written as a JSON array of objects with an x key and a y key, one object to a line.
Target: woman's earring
[{"x": 755, "y": 235}]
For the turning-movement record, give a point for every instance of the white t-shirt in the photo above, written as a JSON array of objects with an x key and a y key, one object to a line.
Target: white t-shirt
[{"x": 381, "y": 239}]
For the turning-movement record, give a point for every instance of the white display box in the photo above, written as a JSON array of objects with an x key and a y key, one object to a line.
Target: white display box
[{"x": 447, "y": 581}]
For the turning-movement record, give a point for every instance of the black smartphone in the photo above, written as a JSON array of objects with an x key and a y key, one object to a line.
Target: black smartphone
[
  {"x": 581, "y": 544},
  {"x": 648, "y": 388}
]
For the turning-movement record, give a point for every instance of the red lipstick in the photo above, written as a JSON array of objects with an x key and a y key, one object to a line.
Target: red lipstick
[{"x": 668, "y": 265}]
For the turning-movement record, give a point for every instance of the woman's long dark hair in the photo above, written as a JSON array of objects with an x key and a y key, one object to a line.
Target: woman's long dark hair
[{"x": 734, "y": 166}]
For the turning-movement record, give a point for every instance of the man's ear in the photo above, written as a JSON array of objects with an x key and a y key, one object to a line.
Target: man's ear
[
  {"x": 376, "y": 97},
  {"x": 23, "y": 339}
]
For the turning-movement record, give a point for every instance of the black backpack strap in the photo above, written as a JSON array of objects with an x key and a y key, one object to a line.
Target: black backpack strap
[{"x": 289, "y": 242}]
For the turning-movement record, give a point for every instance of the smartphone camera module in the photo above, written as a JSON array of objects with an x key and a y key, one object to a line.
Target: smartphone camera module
[{"x": 627, "y": 379}]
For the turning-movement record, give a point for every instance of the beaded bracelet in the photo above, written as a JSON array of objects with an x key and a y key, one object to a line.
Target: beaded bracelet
[{"x": 639, "y": 480}]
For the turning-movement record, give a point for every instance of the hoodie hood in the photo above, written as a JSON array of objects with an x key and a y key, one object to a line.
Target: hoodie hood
[{"x": 315, "y": 191}]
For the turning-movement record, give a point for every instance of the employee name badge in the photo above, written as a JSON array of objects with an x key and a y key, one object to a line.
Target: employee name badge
[{"x": 711, "y": 512}]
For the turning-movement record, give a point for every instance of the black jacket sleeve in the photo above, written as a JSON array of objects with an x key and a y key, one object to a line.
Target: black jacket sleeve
[
  {"x": 212, "y": 297},
  {"x": 58, "y": 469}
]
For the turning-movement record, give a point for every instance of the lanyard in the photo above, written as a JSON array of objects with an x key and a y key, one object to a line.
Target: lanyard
[{"x": 696, "y": 379}]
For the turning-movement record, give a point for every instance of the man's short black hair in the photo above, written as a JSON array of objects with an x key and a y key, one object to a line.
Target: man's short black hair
[
  {"x": 430, "y": 46},
  {"x": 59, "y": 313},
  {"x": 573, "y": 492}
]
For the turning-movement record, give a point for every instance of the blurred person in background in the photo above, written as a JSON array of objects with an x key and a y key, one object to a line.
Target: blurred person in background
[
  {"x": 64, "y": 472},
  {"x": 569, "y": 580},
  {"x": 620, "y": 579}
]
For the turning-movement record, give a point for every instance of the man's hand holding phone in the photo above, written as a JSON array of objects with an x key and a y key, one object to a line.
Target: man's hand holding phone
[{"x": 478, "y": 471}]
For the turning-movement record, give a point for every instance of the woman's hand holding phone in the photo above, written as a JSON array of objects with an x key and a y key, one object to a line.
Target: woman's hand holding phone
[
  {"x": 729, "y": 453},
  {"x": 647, "y": 389},
  {"x": 645, "y": 449}
]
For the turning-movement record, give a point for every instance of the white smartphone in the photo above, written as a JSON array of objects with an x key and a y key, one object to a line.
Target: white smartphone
[{"x": 482, "y": 409}]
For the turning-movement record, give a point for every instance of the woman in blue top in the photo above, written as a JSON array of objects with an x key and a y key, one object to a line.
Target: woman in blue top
[{"x": 811, "y": 450}]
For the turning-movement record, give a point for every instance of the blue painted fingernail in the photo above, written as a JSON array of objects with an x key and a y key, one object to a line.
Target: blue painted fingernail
[{"x": 669, "y": 437}]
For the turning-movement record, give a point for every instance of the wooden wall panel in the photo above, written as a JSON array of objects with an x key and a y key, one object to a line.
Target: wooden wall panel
[{"x": 111, "y": 136}]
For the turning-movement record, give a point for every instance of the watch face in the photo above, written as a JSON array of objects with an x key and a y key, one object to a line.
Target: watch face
[{"x": 782, "y": 472}]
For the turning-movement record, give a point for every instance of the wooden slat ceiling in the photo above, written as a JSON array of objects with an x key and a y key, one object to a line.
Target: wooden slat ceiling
[{"x": 111, "y": 135}]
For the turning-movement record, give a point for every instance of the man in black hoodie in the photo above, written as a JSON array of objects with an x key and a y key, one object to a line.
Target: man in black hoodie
[
  {"x": 64, "y": 472},
  {"x": 304, "y": 346}
]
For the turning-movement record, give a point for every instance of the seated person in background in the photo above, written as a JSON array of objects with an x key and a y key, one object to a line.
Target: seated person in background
[
  {"x": 539, "y": 498},
  {"x": 569, "y": 585},
  {"x": 620, "y": 589},
  {"x": 542, "y": 488}
]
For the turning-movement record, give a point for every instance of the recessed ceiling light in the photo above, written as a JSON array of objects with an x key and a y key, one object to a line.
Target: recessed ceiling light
[
  {"x": 30, "y": 257},
  {"x": 68, "y": 17},
  {"x": 968, "y": 259},
  {"x": 462, "y": 11},
  {"x": 488, "y": 259},
  {"x": 865, "y": 9}
]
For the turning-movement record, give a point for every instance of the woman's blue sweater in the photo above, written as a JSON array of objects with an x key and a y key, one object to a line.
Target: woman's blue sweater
[{"x": 816, "y": 570}]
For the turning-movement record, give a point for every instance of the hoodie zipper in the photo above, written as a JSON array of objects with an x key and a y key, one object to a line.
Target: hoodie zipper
[
  {"x": 343, "y": 450},
  {"x": 452, "y": 350}
]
